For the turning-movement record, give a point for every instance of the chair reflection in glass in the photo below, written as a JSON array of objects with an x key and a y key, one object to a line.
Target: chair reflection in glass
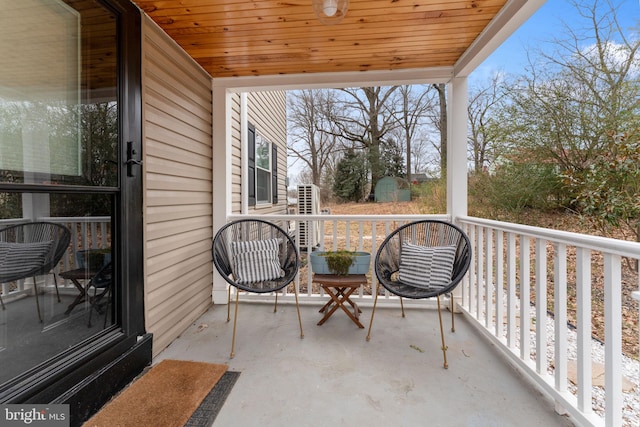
[
  {"x": 102, "y": 285},
  {"x": 32, "y": 249}
]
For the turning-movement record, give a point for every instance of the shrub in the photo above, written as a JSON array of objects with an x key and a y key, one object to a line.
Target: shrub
[
  {"x": 432, "y": 196},
  {"x": 516, "y": 187}
]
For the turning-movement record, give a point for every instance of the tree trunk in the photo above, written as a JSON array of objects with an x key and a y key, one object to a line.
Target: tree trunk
[{"x": 442, "y": 96}]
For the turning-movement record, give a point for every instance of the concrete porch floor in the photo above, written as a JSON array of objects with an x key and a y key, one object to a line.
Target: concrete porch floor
[{"x": 334, "y": 377}]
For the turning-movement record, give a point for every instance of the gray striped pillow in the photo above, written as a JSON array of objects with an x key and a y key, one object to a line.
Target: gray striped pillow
[
  {"x": 256, "y": 261},
  {"x": 20, "y": 259},
  {"x": 426, "y": 267}
]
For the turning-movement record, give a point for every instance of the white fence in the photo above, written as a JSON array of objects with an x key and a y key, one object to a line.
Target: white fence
[{"x": 515, "y": 269}]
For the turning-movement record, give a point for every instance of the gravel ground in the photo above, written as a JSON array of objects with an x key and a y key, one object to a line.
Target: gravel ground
[{"x": 630, "y": 371}]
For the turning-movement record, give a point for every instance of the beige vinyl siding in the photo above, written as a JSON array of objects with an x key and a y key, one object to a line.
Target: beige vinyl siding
[
  {"x": 177, "y": 187},
  {"x": 267, "y": 112}
]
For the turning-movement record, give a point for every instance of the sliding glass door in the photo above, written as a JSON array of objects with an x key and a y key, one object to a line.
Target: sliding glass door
[{"x": 63, "y": 124}]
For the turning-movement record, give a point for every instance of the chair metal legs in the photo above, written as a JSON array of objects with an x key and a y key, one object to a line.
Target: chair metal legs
[
  {"x": 373, "y": 312},
  {"x": 235, "y": 317},
  {"x": 444, "y": 346},
  {"x": 35, "y": 291},
  {"x": 94, "y": 304},
  {"x": 55, "y": 282},
  {"x": 295, "y": 291},
  {"x": 375, "y": 302},
  {"x": 235, "y": 320},
  {"x": 453, "y": 325}
]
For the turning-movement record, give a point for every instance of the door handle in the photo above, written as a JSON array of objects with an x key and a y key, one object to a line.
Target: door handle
[{"x": 130, "y": 160}]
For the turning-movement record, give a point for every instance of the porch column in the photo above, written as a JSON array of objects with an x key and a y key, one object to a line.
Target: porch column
[
  {"x": 244, "y": 126},
  {"x": 457, "y": 147},
  {"x": 457, "y": 156},
  {"x": 35, "y": 154},
  {"x": 221, "y": 164}
]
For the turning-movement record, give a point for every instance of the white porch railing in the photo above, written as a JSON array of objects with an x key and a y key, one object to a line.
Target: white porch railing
[{"x": 507, "y": 287}]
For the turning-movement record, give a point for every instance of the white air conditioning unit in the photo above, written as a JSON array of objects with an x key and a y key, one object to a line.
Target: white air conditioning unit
[{"x": 309, "y": 204}]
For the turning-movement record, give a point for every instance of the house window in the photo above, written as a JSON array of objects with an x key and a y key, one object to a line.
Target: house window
[{"x": 262, "y": 169}]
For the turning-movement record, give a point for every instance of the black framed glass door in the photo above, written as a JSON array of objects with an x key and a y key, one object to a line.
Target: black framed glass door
[{"x": 69, "y": 107}]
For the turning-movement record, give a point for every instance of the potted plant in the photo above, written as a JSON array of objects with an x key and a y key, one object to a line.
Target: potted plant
[
  {"x": 341, "y": 262},
  {"x": 93, "y": 259}
]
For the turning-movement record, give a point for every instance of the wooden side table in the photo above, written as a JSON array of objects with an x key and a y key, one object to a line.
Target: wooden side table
[
  {"x": 340, "y": 288},
  {"x": 75, "y": 276}
]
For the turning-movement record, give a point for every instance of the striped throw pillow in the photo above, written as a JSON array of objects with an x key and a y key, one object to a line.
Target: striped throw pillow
[
  {"x": 426, "y": 267},
  {"x": 20, "y": 259},
  {"x": 256, "y": 261}
]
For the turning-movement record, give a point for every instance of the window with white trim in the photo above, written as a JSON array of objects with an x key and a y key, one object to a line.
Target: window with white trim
[{"x": 263, "y": 169}]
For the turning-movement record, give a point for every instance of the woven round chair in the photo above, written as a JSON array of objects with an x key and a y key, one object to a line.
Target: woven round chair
[
  {"x": 32, "y": 249},
  {"x": 255, "y": 256},
  {"x": 423, "y": 259}
]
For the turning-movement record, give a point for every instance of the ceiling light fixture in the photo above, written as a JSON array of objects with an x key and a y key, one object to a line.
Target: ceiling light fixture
[{"x": 330, "y": 12}]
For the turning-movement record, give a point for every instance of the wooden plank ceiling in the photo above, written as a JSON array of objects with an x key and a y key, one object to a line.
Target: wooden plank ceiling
[{"x": 269, "y": 37}]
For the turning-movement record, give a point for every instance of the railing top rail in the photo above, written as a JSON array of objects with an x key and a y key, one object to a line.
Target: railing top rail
[
  {"x": 85, "y": 219},
  {"x": 332, "y": 217},
  {"x": 12, "y": 221},
  {"x": 597, "y": 243}
]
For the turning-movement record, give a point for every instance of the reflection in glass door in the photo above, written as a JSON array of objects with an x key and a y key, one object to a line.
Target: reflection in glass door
[{"x": 59, "y": 186}]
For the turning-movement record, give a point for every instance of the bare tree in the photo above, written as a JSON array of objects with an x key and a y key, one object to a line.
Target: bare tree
[
  {"x": 410, "y": 114},
  {"x": 439, "y": 121},
  {"x": 421, "y": 152},
  {"x": 485, "y": 129},
  {"x": 365, "y": 120},
  {"x": 313, "y": 135}
]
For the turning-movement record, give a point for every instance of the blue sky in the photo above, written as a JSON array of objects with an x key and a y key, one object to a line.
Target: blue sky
[{"x": 542, "y": 27}]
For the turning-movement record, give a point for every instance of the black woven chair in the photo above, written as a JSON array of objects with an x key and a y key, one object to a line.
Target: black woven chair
[
  {"x": 255, "y": 256},
  {"x": 32, "y": 249},
  {"x": 423, "y": 259},
  {"x": 102, "y": 285}
]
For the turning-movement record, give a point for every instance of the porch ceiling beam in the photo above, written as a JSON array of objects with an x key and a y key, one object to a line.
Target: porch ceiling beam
[{"x": 335, "y": 80}]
